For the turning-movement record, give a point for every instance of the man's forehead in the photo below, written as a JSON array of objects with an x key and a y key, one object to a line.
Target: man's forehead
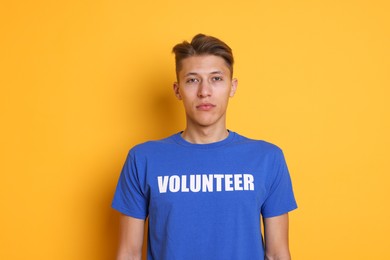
[{"x": 206, "y": 64}]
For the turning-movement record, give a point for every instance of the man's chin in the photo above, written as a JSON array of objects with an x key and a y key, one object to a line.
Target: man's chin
[{"x": 205, "y": 122}]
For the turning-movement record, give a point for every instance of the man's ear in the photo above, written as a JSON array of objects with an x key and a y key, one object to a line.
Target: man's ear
[
  {"x": 233, "y": 87},
  {"x": 176, "y": 89}
]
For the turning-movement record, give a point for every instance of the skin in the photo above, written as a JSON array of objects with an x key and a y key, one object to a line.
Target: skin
[
  {"x": 205, "y": 85},
  {"x": 276, "y": 238},
  {"x": 130, "y": 238}
]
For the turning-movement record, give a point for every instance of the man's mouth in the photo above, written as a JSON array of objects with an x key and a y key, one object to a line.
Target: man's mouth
[{"x": 205, "y": 107}]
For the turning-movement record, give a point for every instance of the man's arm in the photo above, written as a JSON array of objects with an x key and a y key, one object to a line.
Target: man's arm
[
  {"x": 131, "y": 238},
  {"x": 276, "y": 238}
]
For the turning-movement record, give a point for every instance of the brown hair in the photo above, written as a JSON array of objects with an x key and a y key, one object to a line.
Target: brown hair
[{"x": 203, "y": 45}]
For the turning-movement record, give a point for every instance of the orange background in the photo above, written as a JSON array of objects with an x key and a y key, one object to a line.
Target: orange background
[{"x": 83, "y": 81}]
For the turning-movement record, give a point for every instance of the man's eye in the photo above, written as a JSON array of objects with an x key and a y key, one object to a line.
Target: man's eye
[
  {"x": 217, "y": 78},
  {"x": 192, "y": 80}
]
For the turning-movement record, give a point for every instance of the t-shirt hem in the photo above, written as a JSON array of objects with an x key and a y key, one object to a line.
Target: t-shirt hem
[
  {"x": 128, "y": 212},
  {"x": 279, "y": 213}
]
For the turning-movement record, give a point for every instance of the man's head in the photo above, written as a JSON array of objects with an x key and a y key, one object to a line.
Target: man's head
[
  {"x": 203, "y": 45},
  {"x": 204, "y": 84}
]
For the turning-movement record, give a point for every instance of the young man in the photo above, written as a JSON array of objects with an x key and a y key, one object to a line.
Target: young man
[{"x": 206, "y": 188}]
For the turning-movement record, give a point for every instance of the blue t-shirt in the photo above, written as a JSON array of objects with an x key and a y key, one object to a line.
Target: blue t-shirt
[{"x": 204, "y": 201}]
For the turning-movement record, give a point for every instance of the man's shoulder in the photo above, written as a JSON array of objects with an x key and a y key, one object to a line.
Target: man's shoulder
[
  {"x": 258, "y": 144},
  {"x": 153, "y": 145}
]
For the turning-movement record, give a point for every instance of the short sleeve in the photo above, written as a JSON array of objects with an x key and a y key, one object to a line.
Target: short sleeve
[
  {"x": 129, "y": 197},
  {"x": 280, "y": 196}
]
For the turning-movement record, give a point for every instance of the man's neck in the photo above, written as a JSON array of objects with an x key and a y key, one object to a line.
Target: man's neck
[{"x": 205, "y": 135}]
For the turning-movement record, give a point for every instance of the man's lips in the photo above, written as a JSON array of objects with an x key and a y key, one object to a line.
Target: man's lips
[{"x": 205, "y": 106}]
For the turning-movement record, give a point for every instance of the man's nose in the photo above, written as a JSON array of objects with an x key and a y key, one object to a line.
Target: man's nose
[{"x": 205, "y": 89}]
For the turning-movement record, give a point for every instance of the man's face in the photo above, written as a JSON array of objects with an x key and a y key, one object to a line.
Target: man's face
[{"x": 205, "y": 85}]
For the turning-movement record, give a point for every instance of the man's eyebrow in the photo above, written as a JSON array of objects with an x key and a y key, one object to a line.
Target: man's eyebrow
[
  {"x": 191, "y": 74},
  {"x": 195, "y": 74}
]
